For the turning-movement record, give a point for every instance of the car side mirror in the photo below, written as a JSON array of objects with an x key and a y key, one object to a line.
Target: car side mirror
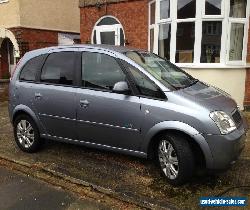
[{"x": 121, "y": 87}]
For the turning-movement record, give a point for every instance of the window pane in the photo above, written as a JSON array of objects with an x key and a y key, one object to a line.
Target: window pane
[
  {"x": 145, "y": 86},
  {"x": 94, "y": 38},
  {"x": 31, "y": 68},
  {"x": 108, "y": 21},
  {"x": 238, "y": 8},
  {"x": 100, "y": 71},
  {"x": 121, "y": 37},
  {"x": 186, "y": 9},
  {"x": 152, "y": 13},
  {"x": 211, "y": 41},
  {"x": 59, "y": 68},
  {"x": 164, "y": 9},
  {"x": 185, "y": 42},
  {"x": 164, "y": 41},
  {"x": 236, "y": 41},
  {"x": 152, "y": 40},
  {"x": 108, "y": 37},
  {"x": 213, "y": 7}
]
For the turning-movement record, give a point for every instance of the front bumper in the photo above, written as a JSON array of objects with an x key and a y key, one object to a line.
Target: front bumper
[{"x": 225, "y": 149}]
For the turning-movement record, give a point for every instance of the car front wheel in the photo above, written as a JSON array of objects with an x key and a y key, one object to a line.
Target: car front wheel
[{"x": 175, "y": 158}]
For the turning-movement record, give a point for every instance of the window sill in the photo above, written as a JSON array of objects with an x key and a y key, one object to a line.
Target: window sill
[{"x": 211, "y": 66}]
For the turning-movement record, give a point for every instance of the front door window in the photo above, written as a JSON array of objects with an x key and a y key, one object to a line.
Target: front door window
[{"x": 108, "y": 31}]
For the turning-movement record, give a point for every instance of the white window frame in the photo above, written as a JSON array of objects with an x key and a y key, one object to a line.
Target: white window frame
[
  {"x": 199, "y": 18},
  {"x": 116, "y": 28},
  {"x": 244, "y": 21},
  {"x": 152, "y": 26},
  {"x": 3, "y": 1}
]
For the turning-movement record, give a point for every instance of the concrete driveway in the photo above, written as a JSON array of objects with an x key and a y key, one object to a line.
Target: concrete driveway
[{"x": 126, "y": 178}]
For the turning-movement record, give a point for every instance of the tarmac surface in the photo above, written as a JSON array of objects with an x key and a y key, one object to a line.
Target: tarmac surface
[
  {"x": 22, "y": 192},
  {"x": 130, "y": 180}
]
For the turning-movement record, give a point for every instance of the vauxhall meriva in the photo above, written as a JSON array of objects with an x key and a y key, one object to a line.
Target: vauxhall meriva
[{"x": 128, "y": 101}]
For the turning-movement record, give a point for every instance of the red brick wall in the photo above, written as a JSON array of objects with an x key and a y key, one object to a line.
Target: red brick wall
[
  {"x": 30, "y": 39},
  {"x": 133, "y": 16},
  {"x": 247, "y": 84}
]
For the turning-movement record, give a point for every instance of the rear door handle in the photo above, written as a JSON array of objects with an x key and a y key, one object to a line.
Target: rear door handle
[
  {"x": 38, "y": 95},
  {"x": 84, "y": 103}
]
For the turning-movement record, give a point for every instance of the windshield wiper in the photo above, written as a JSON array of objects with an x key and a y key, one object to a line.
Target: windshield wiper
[{"x": 193, "y": 82}]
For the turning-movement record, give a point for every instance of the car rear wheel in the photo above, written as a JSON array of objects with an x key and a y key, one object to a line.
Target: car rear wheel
[
  {"x": 26, "y": 134},
  {"x": 175, "y": 158}
]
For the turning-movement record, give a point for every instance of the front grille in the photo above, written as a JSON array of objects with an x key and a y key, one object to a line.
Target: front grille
[{"x": 237, "y": 118}]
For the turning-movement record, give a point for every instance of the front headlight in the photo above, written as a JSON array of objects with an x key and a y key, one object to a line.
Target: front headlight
[{"x": 223, "y": 121}]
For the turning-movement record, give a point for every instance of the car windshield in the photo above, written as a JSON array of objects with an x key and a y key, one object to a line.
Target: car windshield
[{"x": 168, "y": 74}]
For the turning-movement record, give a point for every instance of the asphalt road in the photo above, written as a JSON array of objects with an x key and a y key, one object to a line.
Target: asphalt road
[
  {"x": 126, "y": 176},
  {"x": 22, "y": 192}
]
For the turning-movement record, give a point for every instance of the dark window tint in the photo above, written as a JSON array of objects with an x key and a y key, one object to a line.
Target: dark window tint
[
  {"x": 152, "y": 13},
  {"x": 151, "y": 39},
  {"x": 31, "y": 68},
  {"x": 145, "y": 86},
  {"x": 108, "y": 21},
  {"x": 185, "y": 42},
  {"x": 100, "y": 71},
  {"x": 186, "y": 9},
  {"x": 94, "y": 38},
  {"x": 108, "y": 37},
  {"x": 59, "y": 68},
  {"x": 213, "y": 7},
  {"x": 121, "y": 37},
  {"x": 211, "y": 41}
]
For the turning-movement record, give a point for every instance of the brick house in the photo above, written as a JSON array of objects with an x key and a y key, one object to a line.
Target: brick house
[
  {"x": 208, "y": 38},
  {"x": 30, "y": 24}
]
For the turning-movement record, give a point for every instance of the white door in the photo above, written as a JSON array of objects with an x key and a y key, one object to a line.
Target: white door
[{"x": 108, "y": 34}]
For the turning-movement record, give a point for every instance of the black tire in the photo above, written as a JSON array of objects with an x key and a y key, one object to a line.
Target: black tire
[
  {"x": 185, "y": 159},
  {"x": 34, "y": 145}
]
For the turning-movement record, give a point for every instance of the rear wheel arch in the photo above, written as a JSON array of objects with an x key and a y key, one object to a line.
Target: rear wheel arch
[
  {"x": 25, "y": 111},
  {"x": 20, "y": 112}
]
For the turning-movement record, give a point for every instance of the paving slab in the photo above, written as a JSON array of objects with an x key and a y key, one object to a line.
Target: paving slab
[{"x": 127, "y": 177}]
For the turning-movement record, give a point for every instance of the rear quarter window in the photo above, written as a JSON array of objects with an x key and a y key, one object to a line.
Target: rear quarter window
[{"x": 31, "y": 68}]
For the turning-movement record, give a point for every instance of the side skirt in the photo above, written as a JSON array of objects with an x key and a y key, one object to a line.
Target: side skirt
[{"x": 96, "y": 146}]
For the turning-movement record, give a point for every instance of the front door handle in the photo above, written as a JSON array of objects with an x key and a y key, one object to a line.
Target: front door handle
[
  {"x": 84, "y": 103},
  {"x": 38, "y": 95}
]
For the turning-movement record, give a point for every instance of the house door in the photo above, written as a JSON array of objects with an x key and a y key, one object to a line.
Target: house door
[
  {"x": 108, "y": 31},
  {"x": 7, "y": 58}
]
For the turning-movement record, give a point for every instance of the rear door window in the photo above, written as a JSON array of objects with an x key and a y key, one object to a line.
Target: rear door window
[
  {"x": 31, "y": 68},
  {"x": 100, "y": 71},
  {"x": 59, "y": 68}
]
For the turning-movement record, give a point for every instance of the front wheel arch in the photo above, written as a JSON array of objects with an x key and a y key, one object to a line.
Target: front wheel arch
[{"x": 199, "y": 156}]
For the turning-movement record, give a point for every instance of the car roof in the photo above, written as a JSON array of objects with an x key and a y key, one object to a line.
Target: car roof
[{"x": 110, "y": 48}]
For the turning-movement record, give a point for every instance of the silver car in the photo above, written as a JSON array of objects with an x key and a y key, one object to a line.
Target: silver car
[{"x": 128, "y": 101}]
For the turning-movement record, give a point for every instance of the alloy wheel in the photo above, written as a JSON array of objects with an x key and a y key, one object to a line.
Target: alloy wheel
[
  {"x": 168, "y": 159},
  {"x": 25, "y": 133}
]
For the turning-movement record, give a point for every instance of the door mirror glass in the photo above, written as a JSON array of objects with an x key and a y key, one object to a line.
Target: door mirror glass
[{"x": 121, "y": 87}]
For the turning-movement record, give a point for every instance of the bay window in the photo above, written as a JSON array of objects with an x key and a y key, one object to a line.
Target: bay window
[{"x": 199, "y": 32}]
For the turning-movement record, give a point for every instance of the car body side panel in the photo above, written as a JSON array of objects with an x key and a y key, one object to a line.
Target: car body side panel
[
  {"x": 56, "y": 109},
  {"x": 109, "y": 119}
]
